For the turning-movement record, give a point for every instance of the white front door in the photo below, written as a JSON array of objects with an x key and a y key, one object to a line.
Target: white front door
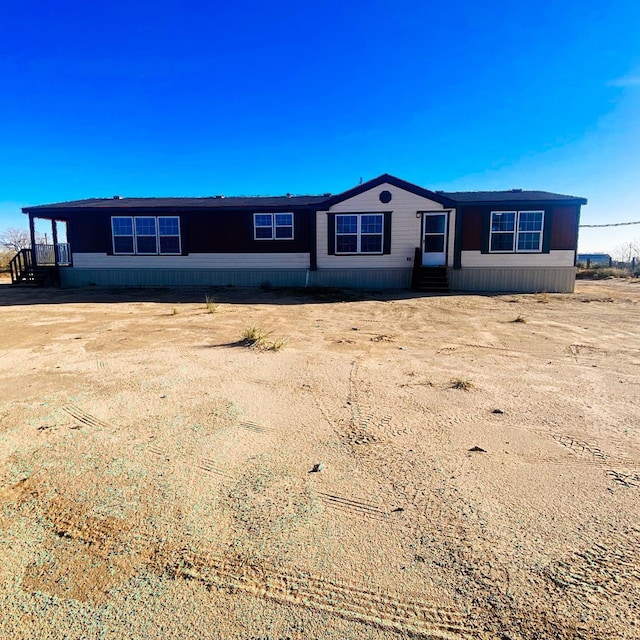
[{"x": 434, "y": 239}]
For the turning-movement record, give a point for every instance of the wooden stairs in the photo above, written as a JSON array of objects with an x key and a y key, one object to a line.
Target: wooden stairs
[
  {"x": 24, "y": 273},
  {"x": 430, "y": 279}
]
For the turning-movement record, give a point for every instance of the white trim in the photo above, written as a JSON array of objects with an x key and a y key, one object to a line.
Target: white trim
[
  {"x": 441, "y": 261},
  {"x": 274, "y": 227},
  {"x": 556, "y": 258},
  {"x": 516, "y": 232},
  {"x": 358, "y": 234},
  {"x": 134, "y": 237}
]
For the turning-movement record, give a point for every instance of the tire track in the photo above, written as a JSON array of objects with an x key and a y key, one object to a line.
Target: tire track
[
  {"x": 559, "y": 460},
  {"x": 353, "y": 506},
  {"x": 588, "y": 450},
  {"x": 190, "y": 355},
  {"x": 365, "y": 424},
  {"x": 103, "y": 537},
  {"x": 210, "y": 466},
  {"x": 252, "y": 426},
  {"x": 83, "y": 417},
  {"x": 580, "y": 447},
  {"x": 610, "y": 567},
  {"x": 344, "y": 599},
  {"x": 187, "y": 354},
  {"x": 585, "y": 351},
  {"x": 625, "y": 479},
  {"x": 204, "y": 464}
]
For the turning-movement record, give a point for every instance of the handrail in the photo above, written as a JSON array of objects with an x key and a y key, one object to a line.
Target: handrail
[
  {"x": 417, "y": 263},
  {"x": 19, "y": 264}
]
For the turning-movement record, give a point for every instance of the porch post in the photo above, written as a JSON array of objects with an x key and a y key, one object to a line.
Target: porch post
[
  {"x": 54, "y": 234},
  {"x": 32, "y": 233}
]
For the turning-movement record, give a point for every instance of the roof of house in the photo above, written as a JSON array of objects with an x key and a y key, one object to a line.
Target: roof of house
[
  {"x": 512, "y": 195},
  {"x": 211, "y": 202},
  {"x": 447, "y": 199}
]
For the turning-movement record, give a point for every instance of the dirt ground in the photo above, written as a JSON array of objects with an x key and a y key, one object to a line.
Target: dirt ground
[{"x": 479, "y": 464}]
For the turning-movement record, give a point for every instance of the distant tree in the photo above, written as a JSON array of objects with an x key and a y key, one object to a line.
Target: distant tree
[
  {"x": 14, "y": 239},
  {"x": 627, "y": 251}
]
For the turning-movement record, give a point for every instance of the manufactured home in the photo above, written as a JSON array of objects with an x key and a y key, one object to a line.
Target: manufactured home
[{"x": 384, "y": 233}]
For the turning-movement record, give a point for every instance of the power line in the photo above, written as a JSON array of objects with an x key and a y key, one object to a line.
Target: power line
[{"x": 613, "y": 224}]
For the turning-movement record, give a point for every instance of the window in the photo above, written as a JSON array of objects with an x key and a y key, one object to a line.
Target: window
[
  {"x": 516, "y": 231},
  {"x": 169, "y": 235},
  {"x": 122, "y": 229},
  {"x": 530, "y": 231},
  {"x": 273, "y": 226},
  {"x": 146, "y": 235},
  {"x": 359, "y": 233}
]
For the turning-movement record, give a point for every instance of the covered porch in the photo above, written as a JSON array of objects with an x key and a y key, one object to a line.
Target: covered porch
[
  {"x": 49, "y": 241},
  {"x": 39, "y": 264}
]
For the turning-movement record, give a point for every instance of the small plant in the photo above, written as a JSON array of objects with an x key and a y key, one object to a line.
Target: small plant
[
  {"x": 254, "y": 337},
  {"x": 544, "y": 298},
  {"x": 461, "y": 383},
  {"x": 210, "y": 303},
  {"x": 276, "y": 345},
  {"x": 521, "y": 319},
  {"x": 174, "y": 311}
]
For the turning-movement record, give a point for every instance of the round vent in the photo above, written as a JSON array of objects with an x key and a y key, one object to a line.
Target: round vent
[{"x": 385, "y": 197}]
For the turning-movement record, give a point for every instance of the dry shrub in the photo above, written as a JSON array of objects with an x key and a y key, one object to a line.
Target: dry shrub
[
  {"x": 257, "y": 338},
  {"x": 461, "y": 383},
  {"x": 210, "y": 304}
]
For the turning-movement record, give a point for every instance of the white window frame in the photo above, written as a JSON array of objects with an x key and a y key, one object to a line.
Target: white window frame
[
  {"x": 274, "y": 227},
  {"x": 359, "y": 234},
  {"x": 131, "y": 235},
  {"x": 135, "y": 236},
  {"x": 516, "y": 232},
  {"x": 153, "y": 235},
  {"x": 169, "y": 235}
]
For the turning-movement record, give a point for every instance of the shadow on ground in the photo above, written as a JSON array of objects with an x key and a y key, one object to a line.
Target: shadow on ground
[{"x": 12, "y": 296}]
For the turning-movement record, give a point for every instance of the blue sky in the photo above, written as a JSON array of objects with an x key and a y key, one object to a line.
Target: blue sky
[{"x": 194, "y": 98}]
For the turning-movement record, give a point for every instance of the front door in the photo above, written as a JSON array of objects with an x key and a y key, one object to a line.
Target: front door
[{"x": 434, "y": 239}]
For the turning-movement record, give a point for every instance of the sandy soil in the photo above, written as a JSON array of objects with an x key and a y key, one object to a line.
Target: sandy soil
[{"x": 155, "y": 473}]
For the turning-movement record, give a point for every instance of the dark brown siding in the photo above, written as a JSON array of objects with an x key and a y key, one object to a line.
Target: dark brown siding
[
  {"x": 201, "y": 231},
  {"x": 564, "y": 225},
  {"x": 232, "y": 232},
  {"x": 559, "y": 233},
  {"x": 89, "y": 232},
  {"x": 472, "y": 228}
]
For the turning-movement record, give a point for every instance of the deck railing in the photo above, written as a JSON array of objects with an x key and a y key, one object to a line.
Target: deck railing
[
  {"x": 46, "y": 254},
  {"x": 64, "y": 253}
]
